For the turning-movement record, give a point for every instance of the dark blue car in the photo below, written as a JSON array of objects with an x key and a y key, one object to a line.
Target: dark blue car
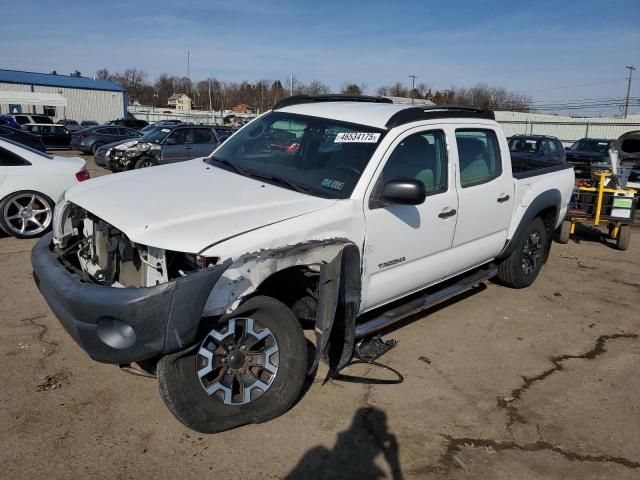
[{"x": 538, "y": 148}]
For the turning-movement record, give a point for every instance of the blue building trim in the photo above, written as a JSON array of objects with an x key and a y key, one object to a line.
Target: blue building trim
[{"x": 62, "y": 81}]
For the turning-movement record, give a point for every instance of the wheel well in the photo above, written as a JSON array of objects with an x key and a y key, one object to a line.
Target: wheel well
[
  {"x": 549, "y": 217},
  {"x": 296, "y": 287}
]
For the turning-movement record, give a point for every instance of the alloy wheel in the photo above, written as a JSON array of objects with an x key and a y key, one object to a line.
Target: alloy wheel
[
  {"x": 238, "y": 364},
  {"x": 531, "y": 253},
  {"x": 27, "y": 214}
]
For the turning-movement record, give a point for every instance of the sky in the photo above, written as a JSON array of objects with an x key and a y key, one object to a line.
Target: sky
[{"x": 553, "y": 51}]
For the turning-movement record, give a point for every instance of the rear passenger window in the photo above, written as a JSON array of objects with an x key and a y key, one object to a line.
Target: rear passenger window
[
  {"x": 421, "y": 156},
  {"x": 479, "y": 156},
  {"x": 203, "y": 135},
  {"x": 10, "y": 159}
]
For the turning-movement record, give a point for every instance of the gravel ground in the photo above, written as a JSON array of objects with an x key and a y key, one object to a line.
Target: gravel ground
[{"x": 503, "y": 384}]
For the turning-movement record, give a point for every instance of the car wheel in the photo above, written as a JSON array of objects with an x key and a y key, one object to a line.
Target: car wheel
[
  {"x": 624, "y": 235},
  {"x": 95, "y": 147},
  {"x": 249, "y": 368},
  {"x": 146, "y": 162},
  {"x": 26, "y": 214},
  {"x": 521, "y": 268},
  {"x": 565, "y": 232}
]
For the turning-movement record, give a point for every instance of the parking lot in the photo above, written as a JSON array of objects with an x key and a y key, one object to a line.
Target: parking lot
[{"x": 533, "y": 383}]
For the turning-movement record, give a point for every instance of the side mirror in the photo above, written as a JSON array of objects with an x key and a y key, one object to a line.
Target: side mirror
[
  {"x": 403, "y": 192},
  {"x": 567, "y": 148}
]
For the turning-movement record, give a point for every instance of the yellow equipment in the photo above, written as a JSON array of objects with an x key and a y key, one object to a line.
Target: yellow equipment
[{"x": 598, "y": 205}]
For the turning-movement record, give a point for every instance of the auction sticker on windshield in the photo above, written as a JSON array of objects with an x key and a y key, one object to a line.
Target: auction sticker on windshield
[{"x": 356, "y": 137}]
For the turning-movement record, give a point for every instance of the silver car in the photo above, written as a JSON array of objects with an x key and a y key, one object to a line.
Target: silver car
[{"x": 166, "y": 144}]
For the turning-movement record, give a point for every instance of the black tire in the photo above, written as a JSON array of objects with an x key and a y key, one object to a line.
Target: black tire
[
  {"x": 8, "y": 209},
  {"x": 146, "y": 162},
  {"x": 624, "y": 234},
  {"x": 564, "y": 232},
  {"x": 185, "y": 396},
  {"x": 512, "y": 271},
  {"x": 95, "y": 147}
]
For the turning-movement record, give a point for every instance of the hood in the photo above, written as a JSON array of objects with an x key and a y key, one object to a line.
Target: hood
[{"x": 190, "y": 205}]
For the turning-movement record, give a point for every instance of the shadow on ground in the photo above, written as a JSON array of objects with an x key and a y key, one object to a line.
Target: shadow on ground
[{"x": 355, "y": 452}]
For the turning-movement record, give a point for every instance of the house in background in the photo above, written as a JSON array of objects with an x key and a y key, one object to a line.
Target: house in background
[
  {"x": 180, "y": 101},
  {"x": 243, "y": 108}
]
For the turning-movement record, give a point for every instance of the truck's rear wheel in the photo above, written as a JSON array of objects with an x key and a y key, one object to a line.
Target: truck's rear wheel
[
  {"x": 521, "y": 268},
  {"x": 249, "y": 368}
]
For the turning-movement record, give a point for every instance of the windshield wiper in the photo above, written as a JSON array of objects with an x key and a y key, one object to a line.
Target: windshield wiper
[
  {"x": 233, "y": 167},
  {"x": 279, "y": 180}
]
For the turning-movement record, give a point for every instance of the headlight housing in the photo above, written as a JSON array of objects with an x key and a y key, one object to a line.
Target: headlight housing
[
  {"x": 137, "y": 149},
  {"x": 60, "y": 216}
]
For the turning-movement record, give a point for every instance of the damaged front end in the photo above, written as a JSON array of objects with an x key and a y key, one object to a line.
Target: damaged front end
[
  {"x": 101, "y": 253},
  {"x": 125, "y": 156},
  {"x": 121, "y": 302}
]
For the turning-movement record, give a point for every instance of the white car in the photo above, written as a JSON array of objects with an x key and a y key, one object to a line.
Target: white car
[
  {"x": 30, "y": 183},
  {"x": 342, "y": 213}
]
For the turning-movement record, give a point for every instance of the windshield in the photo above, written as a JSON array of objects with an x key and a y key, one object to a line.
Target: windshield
[
  {"x": 524, "y": 145},
  {"x": 591, "y": 145},
  {"x": 156, "y": 135},
  {"x": 313, "y": 155}
]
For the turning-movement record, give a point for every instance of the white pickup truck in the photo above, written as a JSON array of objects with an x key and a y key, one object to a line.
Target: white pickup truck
[{"x": 336, "y": 214}]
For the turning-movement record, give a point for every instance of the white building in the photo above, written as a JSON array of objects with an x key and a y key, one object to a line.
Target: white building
[
  {"x": 61, "y": 96},
  {"x": 180, "y": 101}
]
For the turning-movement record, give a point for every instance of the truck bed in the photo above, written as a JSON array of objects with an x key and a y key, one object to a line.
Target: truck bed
[{"x": 522, "y": 168}]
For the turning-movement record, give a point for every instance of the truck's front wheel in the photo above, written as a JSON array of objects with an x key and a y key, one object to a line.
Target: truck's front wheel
[
  {"x": 249, "y": 368},
  {"x": 521, "y": 268}
]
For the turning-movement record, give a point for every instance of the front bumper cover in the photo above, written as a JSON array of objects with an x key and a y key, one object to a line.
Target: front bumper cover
[{"x": 123, "y": 325}]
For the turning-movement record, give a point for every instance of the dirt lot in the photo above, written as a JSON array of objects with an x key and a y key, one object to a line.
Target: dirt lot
[{"x": 502, "y": 384}]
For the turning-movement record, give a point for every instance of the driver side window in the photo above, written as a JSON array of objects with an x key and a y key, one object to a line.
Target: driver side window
[
  {"x": 181, "y": 137},
  {"x": 422, "y": 157}
]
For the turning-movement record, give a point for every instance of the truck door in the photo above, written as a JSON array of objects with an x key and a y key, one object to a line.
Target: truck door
[
  {"x": 204, "y": 142},
  {"x": 178, "y": 146},
  {"x": 486, "y": 196},
  {"x": 404, "y": 243}
]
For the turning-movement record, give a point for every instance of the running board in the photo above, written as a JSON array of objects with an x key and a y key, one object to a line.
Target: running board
[{"x": 422, "y": 303}]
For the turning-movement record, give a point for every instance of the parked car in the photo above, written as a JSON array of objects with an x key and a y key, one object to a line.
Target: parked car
[
  {"x": 22, "y": 137},
  {"x": 9, "y": 121},
  {"x": 586, "y": 151},
  {"x": 30, "y": 184},
  {"x": 165, "y": 144},
  {"x": 88, "y": 123},
  {"x": 69, "y": 124},
  {"x": 101, "y": 157},
  {"x": 91, "y": 139},
  {"x": 628, "y": 147},
  {"x": 22, "y": 119},
  {"x": 53, "y": 136},
  {"x": 235, "y": 252},
  {"x": 537, "y": 148},
  {"x": 129, "y": 122}
]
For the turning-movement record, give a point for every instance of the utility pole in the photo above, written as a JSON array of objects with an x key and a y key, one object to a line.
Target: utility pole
[
  {"x": 626, "y": 102},
  {"x": 291, "y": 84},
  {"x": 413, "y": 85},
  {"x": 210, "y": 104},
  {"x": 189, "y": 64}
]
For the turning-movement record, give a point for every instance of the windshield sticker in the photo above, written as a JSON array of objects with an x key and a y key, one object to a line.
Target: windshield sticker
[
  {"x": 165, "y": 130},
  {"x": 356, "y": 137},
  {"x": 332, "y": 184}
]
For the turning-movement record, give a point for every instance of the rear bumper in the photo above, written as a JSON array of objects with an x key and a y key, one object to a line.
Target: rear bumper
[
  {"x": 78, "y": 146},
  {"x": 123, "y": 325}
]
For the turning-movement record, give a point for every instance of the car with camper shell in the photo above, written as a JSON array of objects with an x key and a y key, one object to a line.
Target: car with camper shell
[
  {"x": 536, "y": 148},
  {"x": 52, "y": 135},
  {"x": 217, "y": 263}
]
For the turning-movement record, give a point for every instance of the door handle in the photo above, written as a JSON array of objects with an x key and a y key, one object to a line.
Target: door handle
[
  {"x": 503, "y": 198},
  {"x": 187, "y": 148},
  {"x": 447, "y": 213}
]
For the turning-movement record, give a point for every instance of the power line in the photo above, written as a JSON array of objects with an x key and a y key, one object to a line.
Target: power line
[{"x": 571, "y": 86}]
